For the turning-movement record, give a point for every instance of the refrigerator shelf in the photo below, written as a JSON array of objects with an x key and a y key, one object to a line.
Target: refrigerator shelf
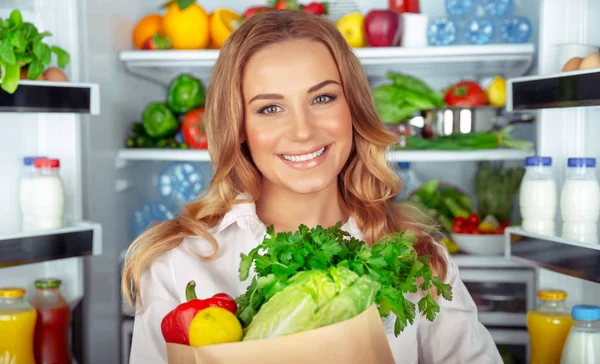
[
  {"x": 81, "y": 239},
  {"x": 504, "y": 59},
  {"x": 52, "y": 97},
  {"x": 150, "y": 154},
  {"x": 559, "y": 90},
  {"x": 480, "y": 261},
  {"x": 572, "y": 258}
]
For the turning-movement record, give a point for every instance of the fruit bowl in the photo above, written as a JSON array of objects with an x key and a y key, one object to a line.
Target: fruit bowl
[{"x": 480, "y": 244}]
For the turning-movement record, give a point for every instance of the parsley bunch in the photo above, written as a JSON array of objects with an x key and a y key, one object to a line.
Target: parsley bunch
[{"x": 392, "y": 261}]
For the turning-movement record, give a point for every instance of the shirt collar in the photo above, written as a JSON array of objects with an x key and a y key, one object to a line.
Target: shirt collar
[{"x": 244, "y": 215}]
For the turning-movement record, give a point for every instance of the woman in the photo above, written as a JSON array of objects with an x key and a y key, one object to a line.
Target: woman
[{"x": 295, "y": 139}]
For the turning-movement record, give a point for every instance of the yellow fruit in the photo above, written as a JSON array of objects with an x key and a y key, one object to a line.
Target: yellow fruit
[
  {"x": 450, "y": 245},
  {"x": 496, "y": 92},
  {"x": 222, "y": 22},
  {"x": 188, "y": 28},
  {"x": 214, "y": 325},
  {"x": 146, "y": 28},
  {"x": 352, "y": 27}
]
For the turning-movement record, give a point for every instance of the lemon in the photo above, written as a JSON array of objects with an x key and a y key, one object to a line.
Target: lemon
[
  {"x": 214, "y": 325},
  {"x": 188, "y": 28},
  {"x": 222, "y": 22},
  {"x": 496, "y": 92}
]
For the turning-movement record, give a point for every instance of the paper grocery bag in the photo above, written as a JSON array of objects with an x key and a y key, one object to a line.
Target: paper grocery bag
[{"x": 359, "y": 340}]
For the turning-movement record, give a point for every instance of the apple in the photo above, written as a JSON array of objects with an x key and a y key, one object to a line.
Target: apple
[{"x": 383, "y": 28}]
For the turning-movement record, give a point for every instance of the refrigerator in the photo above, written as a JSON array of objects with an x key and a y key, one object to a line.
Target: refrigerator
[{"x": 110, "y": 84}]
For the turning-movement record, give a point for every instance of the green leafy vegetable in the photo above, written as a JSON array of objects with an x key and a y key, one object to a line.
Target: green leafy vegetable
[
  {"x": 21, "y": 45},
  {"x": 392, "y": 264}
]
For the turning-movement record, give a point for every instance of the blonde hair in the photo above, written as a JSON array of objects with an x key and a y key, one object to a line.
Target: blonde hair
[{"x": 366, "y": 183}]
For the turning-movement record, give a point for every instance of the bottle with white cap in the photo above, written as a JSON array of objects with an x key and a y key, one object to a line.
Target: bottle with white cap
[
  {"x": 580, "y": 201},
  {"x": 25, "y": 193},
  {"x": 47, "y": 195},
  {"x": 538, "y": 196}
]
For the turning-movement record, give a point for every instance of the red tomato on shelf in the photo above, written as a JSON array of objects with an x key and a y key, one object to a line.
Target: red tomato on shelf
[
  {"x": 193, "y": 130},
  {"x": 473, "y": 219},
  {"x": 465, "y": 94}
]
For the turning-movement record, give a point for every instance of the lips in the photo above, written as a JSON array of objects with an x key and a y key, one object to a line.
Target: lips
[{"x": 304, "y": 157}]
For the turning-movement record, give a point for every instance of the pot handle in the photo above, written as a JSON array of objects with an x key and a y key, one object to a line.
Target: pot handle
[{"x": 512, "y": 118}]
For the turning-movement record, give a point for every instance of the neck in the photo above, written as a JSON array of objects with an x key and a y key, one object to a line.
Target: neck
[{"x": 286, "y": 210}]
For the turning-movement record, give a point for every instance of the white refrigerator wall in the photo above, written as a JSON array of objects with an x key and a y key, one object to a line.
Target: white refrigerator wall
[
  {"x": 564, "y": 133},
  {"x": 53, "y": 135}
]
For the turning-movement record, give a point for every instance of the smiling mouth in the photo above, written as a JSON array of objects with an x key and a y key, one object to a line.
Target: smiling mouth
[{"x": 294, "y": 158}]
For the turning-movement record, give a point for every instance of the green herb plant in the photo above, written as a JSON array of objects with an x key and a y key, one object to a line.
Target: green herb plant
[
  {"x": 392, "y": 261},
  {"x": 21, "y": 45}
]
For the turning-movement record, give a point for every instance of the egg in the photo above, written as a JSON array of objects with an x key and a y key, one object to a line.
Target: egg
[
  {"x": 572, "y": 64},
  {"x": 55, "y": 74},
  {"x": 591, "y": 61}
]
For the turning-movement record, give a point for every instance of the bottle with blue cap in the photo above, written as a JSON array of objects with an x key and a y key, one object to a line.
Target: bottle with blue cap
[
  {"x": 580, "y": 201},
  {"x": 583, "y": 342},
  {"x": 410, "y": 181},
  {"x": 26, "y": 193},
  {"x": 538, "y": 196}
]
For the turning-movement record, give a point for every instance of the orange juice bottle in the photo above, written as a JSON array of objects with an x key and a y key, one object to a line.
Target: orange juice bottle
[
  {"x": 17, "y": 325},
  {"x": 548, "y": 327}
]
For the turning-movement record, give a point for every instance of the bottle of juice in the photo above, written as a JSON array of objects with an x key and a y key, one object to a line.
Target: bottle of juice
[
  {"x": 51, "y": 344},
  {"x": 549, "y": 326},
  {"x": 17, "y": 325}
]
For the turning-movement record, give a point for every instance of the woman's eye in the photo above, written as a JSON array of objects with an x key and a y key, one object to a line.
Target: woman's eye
[
  {"x": 323, "y": 99},
  {"x": 268, "y": 110}
]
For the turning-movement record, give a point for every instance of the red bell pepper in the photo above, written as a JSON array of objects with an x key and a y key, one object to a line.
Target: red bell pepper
[{"x": 175, "y": 324}]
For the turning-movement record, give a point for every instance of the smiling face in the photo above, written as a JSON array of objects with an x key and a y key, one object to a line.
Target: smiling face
[{"x": 298, "y": 124}]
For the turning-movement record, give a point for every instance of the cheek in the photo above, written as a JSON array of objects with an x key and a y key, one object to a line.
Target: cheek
[
  {"x": 260, "y": 140},
  {"x": 340, "y": 127}
]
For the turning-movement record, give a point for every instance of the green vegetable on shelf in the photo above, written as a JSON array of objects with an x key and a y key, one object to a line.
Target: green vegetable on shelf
[
  {"x": 138, "y": 128},
  {"x": 185, "y": 93},
  {"x": 415, "y": 84},
  {"x": 470, "y": 141},
  {"x": 21, "y": 45},
  {"x": 455, "y": 208},
  {"x": 159, "y": 121},
  {"x": 496, "y": 188}
]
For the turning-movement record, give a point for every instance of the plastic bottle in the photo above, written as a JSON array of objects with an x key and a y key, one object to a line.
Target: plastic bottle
[
  {"x": 460, "y": 8},
  {"x": 580, "y": 201},
  {"x": 548, "y": 327},
  {"x": 25, "y": 192},
  {"x": 516, "y": 29},
  {"x": 497, "y": 8},
  {"x": 17, "y": 325},
  {"x": 48, "y": 195},
  {"x": 183, "y": 182},
  {"x": 441, "y": 32},
  {"x": 538, "y": 196},
  {"x": 583, "y": 342},
  {"x": 410, "y": 180},
  {"x": 479, "y": 31},
  {"x": 51, "y": 343}
]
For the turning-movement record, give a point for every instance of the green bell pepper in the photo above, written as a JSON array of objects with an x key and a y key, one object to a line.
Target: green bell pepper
[
  {"x": 185, "y": 93},
  {"x": 159, "y": 121}
]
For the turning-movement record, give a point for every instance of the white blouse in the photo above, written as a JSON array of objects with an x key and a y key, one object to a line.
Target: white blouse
[{"x": 455, "y": 336}]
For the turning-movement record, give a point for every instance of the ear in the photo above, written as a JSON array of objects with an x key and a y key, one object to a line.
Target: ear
[{"x": 242, "y": 138}]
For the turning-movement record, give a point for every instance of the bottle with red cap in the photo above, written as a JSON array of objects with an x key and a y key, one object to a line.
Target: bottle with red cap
[{"x": 48, "y": 195}]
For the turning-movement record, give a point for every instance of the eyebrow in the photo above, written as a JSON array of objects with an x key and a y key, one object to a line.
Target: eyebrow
[{"x": 316, "y": 87}]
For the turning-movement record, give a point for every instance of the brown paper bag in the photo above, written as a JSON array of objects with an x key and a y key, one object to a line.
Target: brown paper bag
[{"x": 359, "y": 340}]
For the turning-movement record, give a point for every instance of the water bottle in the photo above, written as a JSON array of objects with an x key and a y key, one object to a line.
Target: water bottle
[
  {"x": 460, "y": 8},
  {"x": 182, "y": 182},
  {"x": 441, "y": 32},
  {"x": 410, "y": 180},
  {"x": 151, "y": 212},
  {"x": 516, "y": 29},
  {"x": 479, "y": 31},
  {"x": 497, "y": 8}
]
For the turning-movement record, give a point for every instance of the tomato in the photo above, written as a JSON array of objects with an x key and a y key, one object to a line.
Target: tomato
[
  {"x": 473, "y": 219},
  {"x": 465, "y": 93},
  {"x": 471, "y": 230},
  {"x": 499, "y": 231},
  {"x": 505, "y": 224},
  {"x": 193, "y": 130},
  {"x": 458, "y": 225}
]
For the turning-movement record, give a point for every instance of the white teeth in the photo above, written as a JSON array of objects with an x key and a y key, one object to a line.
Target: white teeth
[{"x": 304, "y": 157}]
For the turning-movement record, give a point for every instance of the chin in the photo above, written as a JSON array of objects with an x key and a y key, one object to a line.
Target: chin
[{"x": 308, "y": 186}]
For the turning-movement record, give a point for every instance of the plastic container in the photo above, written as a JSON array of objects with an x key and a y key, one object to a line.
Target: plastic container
[
  {"x": 497, "y": 8},
  {"x": 414, "y": 30},
  {"x": 538, "y": 196},
  {"x": 48, "y": 194},
  {"x": 441, "y": 32},
  {"x": 25, "y": 192},
  {"x": 516, "y": 29},
  {"x": 479, "y": 31},
  {"x": 51, "y": 343},
  {"x": 548, "y": 327},
  {"x": 580, "y": 201},
  {"x": 410, "y": 180},
  {"x": 583, "y": 342},
  {"x": 182, "y": 182},
  {"x": 460, "y": 8},
  {"x": 17, "y": 325}
]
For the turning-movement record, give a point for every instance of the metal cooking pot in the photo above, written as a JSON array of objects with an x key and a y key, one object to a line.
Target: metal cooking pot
[{"x": 451, "y": 120}]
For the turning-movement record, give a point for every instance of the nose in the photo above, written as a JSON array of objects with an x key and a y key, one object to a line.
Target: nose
[{"x": 301, "y": 125}]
